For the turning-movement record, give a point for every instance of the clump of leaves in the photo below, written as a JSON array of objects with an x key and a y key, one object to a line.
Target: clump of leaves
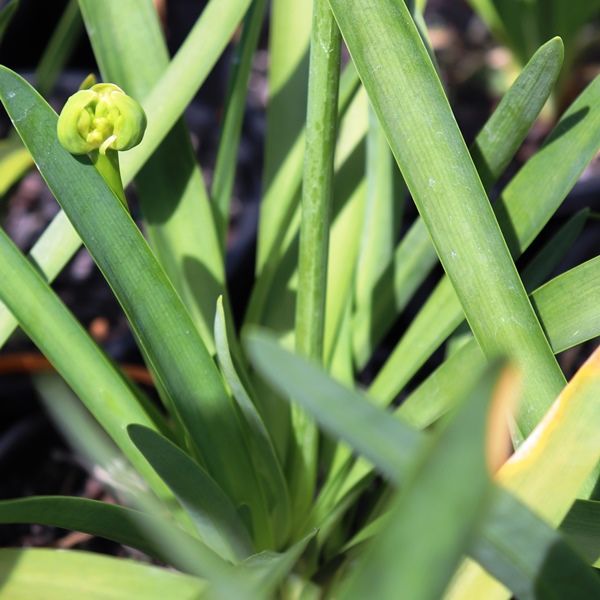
[{"x": 267, "y": 471}]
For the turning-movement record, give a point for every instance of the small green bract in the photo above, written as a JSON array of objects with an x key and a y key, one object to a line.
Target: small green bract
[{"x": 101, "y": 118}]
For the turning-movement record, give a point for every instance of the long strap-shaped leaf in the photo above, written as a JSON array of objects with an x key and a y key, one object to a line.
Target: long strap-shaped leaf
[
  {"x": 410, "y": 102},
  {"x": 129, "y": 47},
  {"x": 179, "y": 84},
  {"x": 435, "y": 532},
  {"x": 492, "y": 150},
  {"x": 53, "y": 575},
  {"x": 568, "y": 309},
  {"x": 152, "y": 306},
  {"x": 231, "y": 129},
  {"x": 514, "y": 545},
  {"x": 56, "y": 246},
  {"x": 87, "y": 370},
  {"x": 211, "y": 510},
  {"x": 524, "y": 208},
  {"x": 123, "y": 525},
  {"x": 286, "y": 113},
  {"x": 262, "y": 451}
]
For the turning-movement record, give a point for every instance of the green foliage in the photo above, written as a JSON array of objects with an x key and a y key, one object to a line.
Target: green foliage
[{"x": 265, "y": 473}]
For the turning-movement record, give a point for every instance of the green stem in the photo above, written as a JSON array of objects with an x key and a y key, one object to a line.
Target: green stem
[
  {"x": 321, "y": 123},
  {"x": 108, "y": 166}
]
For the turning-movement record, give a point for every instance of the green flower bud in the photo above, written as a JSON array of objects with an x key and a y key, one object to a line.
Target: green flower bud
[{"x": 101, "y": 118}]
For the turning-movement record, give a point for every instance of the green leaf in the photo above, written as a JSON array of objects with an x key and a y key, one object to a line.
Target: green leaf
[
  {"x": 56, "y": 575},
  {"x": 123, "y": 525},
  {"x": 566, "y": 306},
  {"x": 60, "y": 47},
  {"x": 318, "y": 393},
  {"x": 500, "y": 139},
  {"x": 231, "y": 129},
  {"x": 528, "y": 556},
  {"x": 582, "y": 528},
  {"x": 184, "y": 551},
  {"x": 15, "y": 161},
  {"x": 390, "y": 57},
  {"x": 129, "y": 47},
  {"x": 551, "y": 465},
  {"x": 263, "y": 454},
  {"x": 86, "y": 369},
  {"x": 424, "y": 539},
  {"x": 383, "y": 208},
  {"x": 211, "y": 510},
  {"x": 515, "y": 545},
  {"x": 492, "y": 150},
  {"x": 567, "y": 309},
  {"x": 545, "y": 180},
  {"x": 290, "y": 25},
  {"x": 186, "y": 73},
  {"x": 152, "y": 306},
  {"x": 553, "y": 252}
]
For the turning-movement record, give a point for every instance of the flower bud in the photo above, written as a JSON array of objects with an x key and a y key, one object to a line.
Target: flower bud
[{"x": 100, "y": 118}]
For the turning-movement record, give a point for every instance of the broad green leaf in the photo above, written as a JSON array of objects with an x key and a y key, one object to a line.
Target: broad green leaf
[
  {"x": 289, "y": 37},
  {"x": 131, "y": 52},
  {"x": 313, "y": 388},
  {"x": 56, "y": 575},
  {"x": 515, "y": 545},
  {"x": 504, "y": 132},
  {"x": 448, "y": 193},
  {"x": 545, "y": 180},
  {"x": 566, "y": 306},
  {"x": 263, "y": 454},
  {"x": 211, "y": 510},
  {"x": 582, "y": 528},
  {"x": 156, "y": 313},
  {"x": 383, "y": 208},
  {"x": 492, "y": 150},
  {"x": 186, "y": 73},
  {"x": 567, "y": 309},
  {"x": 550, "y": 467},
  {"x": 123, "y": 525},
  {"x": 86, "y": 369},
  {"x": 424, "y": 539}
]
